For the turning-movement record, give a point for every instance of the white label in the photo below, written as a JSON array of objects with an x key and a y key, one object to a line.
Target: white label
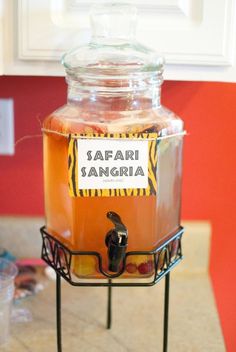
[{"x": 112, "y": 164}]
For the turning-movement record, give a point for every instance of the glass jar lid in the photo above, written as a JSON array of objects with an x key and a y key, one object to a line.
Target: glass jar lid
[{"x": 113, "y": 50}]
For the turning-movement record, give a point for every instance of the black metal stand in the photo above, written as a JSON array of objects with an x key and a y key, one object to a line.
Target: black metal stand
[
  {"x": 166, "y": 313},
  {"x": 58, "y": 292},
  {"x": 165, "y": 257},
  {"x": 109, "y": 309}
]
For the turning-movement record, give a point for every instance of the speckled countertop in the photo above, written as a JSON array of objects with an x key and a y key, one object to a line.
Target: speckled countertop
[
  {"x": 137, "y": 319},
  {"x": 137, "y": 312}
]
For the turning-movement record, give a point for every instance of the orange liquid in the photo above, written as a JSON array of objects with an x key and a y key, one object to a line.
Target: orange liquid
[{"x": 81, "y": 222}]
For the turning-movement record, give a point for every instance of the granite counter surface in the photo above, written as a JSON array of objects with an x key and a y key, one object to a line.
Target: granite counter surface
[
  {"x": 137, "y": 319},
  {"x": 137, "y": 312}
]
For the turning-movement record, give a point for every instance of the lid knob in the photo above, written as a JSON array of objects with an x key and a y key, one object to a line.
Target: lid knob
[{"x": 111, "y": 20}]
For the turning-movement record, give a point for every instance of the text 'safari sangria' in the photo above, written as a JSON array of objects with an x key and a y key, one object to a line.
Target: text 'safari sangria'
[{"x": 113, "y": 153}]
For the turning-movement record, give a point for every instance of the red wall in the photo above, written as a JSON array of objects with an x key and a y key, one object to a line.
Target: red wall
[{"x": 209, "y": 192}]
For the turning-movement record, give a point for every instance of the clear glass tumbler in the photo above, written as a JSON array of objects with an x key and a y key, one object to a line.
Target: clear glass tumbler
[{"x": 8, "y": 272}]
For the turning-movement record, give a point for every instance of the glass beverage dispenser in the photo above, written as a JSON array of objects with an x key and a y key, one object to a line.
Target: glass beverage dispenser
[{"x": 113, "y": 153}]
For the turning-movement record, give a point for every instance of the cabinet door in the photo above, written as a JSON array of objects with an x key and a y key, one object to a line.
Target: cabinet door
[{"x": 197, "y": 37}]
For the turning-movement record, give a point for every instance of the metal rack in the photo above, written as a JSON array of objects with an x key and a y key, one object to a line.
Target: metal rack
[{"x": 164, "y": 258}]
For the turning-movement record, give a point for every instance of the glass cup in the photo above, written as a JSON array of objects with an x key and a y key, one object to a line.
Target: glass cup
[{"x": 8, "y": 272}]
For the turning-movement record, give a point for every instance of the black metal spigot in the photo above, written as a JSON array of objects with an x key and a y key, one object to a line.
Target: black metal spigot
[{"x": 116, "y": 241}]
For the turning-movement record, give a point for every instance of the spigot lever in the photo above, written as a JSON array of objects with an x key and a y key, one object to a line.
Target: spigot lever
[{"x": 116, "y": 241}]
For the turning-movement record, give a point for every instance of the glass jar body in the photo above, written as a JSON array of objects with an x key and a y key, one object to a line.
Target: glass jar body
[{"x": 80, "y": 222}]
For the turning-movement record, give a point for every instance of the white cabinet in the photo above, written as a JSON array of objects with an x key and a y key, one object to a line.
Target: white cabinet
[{"x": 197, "y": 37}]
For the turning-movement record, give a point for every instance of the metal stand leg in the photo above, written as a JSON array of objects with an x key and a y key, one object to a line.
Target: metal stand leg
[
  {"x": 166, "y": 313},
  {"x": 58, "y": 288},
  {"x": 109, "y": 308}
]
